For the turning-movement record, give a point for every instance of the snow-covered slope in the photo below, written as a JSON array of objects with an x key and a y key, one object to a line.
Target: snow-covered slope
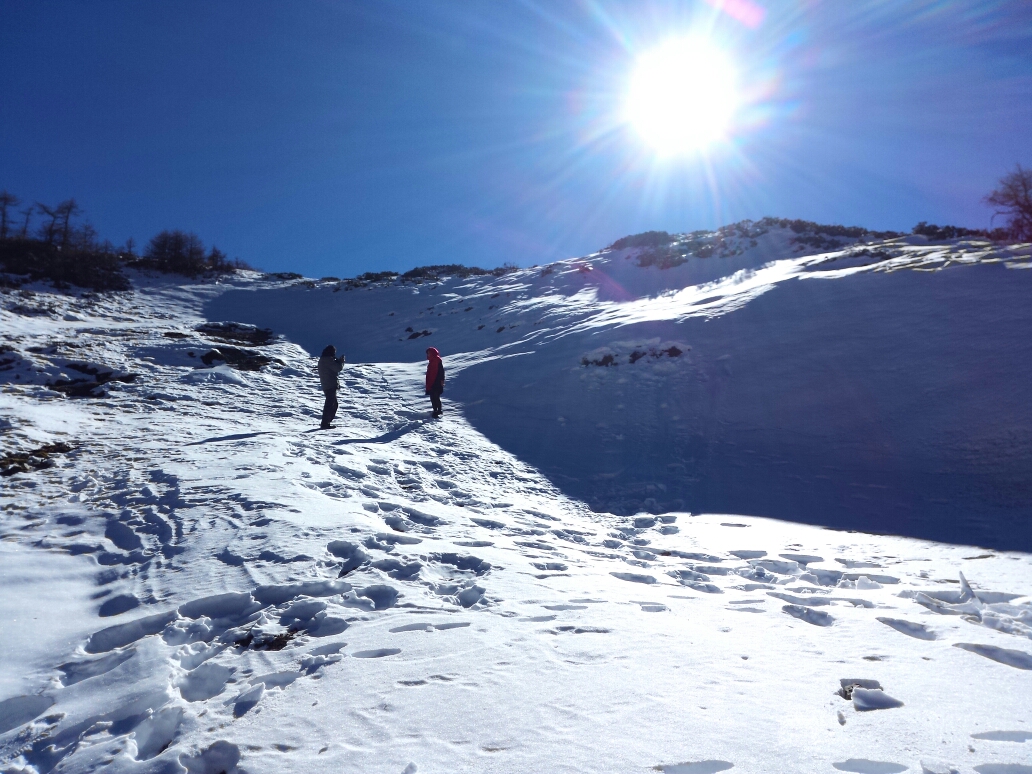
[
  {"x": 196, "y": 580},
  {"x": 880, "y": 387}
]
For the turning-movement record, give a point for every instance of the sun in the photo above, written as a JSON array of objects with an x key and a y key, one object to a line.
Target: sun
[{"x": 682, "y": 96}]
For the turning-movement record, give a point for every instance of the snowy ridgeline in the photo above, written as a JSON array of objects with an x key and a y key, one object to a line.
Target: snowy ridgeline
[{"x": 195, "y": 580}]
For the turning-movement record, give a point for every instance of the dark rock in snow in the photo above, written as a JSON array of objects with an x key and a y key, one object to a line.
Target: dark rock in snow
[
  {"x": 236, "y": 332},
  {"x": 241, "y": 359},
  {"x": 88, "y": 388},
  {"x": 37, "y": 459}
]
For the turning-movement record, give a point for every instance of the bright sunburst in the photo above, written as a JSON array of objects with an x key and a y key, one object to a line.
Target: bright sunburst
[{"x": 683, "y": 96}]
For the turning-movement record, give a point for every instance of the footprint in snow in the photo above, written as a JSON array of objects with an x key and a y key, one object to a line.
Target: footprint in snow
[
  {"x": 272, "y": 556},
  {"x": 633, "y": 577},
  {"x": 118, "y": 605},
  {"x": 852, "y": 564},
  {"x": 205, "y": 682},
  {"x": 1004, "y": 736},
  {"x": 156, "y": 732},
  {"x": 352, "y": 555},
  {"x": 248, "y": 700},
  {"x": 869, "y": 699},
  {"x": 811, "y": 616},
  {"x": 919, "y": 631},
  {"x": 1018, "y": 659},
  {"x": 124, "y": 634},
  {"x": 220, "y": 756},
  {"x": 419, "y": 517},
  {"x": 386, "y": 542},
  {"x": 428, "y": 627},
  {"x": 803, "y": 559},
  {"x": 275, "y": 679},
  {"x": 463, "y": 563},
  {"x": 695, "y": 580},
  {"x": 397, "y": 569},
  {"x": 698, "y": 767},
  {"x": 379, "y": 596},
  {"x": 77, "y": 671},
  {"x": 580, "y": 630},
  {"x": 488, "y": 523},
  {"x": 376, "y": 653},
  {"x": 864, "y": 766}
]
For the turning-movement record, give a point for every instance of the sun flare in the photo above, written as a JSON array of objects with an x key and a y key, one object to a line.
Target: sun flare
[{"x": 682, "y": 96}]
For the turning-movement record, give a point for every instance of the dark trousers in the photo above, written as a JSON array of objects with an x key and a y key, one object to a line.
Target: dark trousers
[
  {"x": 329, "y": 407},
  {"x": 435, "y": 401}
]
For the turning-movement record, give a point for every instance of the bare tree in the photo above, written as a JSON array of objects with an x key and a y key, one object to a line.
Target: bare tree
[
  {"x": 6, "y": 200},
  {"x": 1013, "y": 200},
  {"x": 48, "y": 230},
  {"x": 28, "y": 217},
  {"x": 84, "y": 237},
  {"x": 65, "y": 211}
]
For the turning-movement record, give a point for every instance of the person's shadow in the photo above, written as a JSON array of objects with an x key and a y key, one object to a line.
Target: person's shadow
[
  {"x": 390, "y": 435},
  {"x": 237, "y": 437}
]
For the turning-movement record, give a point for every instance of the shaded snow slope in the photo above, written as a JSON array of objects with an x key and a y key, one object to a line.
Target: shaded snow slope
[
  {"x": 200, "y": 582},
  {"x": 880, "y": 387}
]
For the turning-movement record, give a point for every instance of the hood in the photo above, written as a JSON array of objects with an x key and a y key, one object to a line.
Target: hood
[{"x": 432, "y": 351}]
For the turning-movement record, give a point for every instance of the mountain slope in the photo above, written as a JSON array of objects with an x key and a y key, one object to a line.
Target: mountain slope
[{"x": 880, "y": 386}]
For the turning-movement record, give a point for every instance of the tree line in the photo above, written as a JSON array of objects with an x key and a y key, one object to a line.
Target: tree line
[{"x": 56, "y": 243}]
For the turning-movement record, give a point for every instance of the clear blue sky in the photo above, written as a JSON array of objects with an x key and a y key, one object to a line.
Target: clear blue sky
[{"x": 336, "y": 137}]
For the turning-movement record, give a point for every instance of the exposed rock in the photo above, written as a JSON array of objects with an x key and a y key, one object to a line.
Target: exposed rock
[
  {"x": 241, "y": 359},
  {"x": 236, "y": 332},
  {"x": 37, "y": 459}
]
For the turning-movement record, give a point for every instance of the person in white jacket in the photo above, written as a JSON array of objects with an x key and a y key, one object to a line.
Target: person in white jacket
[{"x": 329, "y": 366}]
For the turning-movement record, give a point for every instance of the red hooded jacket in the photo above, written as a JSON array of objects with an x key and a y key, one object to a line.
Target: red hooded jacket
[{"x": 434, "y": 370}]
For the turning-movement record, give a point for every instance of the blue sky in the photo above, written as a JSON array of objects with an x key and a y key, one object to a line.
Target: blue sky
[{"x": 333, "y": 138}]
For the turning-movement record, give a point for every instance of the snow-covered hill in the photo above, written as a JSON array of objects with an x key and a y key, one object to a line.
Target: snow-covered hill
[
  {"x": 194, "y": 579},
  {"x": 881, "y": 387}
]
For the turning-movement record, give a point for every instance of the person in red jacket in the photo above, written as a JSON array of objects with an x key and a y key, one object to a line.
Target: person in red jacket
[{"x": 434, "y": 379}]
